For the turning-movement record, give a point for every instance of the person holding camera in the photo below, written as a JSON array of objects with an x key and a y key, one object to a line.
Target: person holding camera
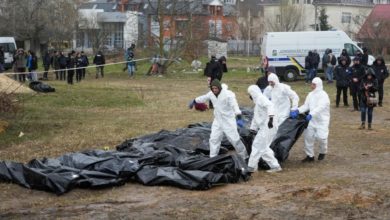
[{"x": 368, "y": 88}]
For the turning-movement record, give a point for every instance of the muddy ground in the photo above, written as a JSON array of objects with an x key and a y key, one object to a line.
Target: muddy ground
[{"x": 353, "y": 182}]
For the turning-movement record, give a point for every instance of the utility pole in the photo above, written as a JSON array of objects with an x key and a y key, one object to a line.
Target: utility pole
[{"x": 315, "y": 15}]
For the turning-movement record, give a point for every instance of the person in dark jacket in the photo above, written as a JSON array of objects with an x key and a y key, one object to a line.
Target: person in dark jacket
[
  {"x": 368, "y": 88},
  {"x": 55, "y": 64},
  {"x": 309, "y": 64},
  {"x": 381, "y": 73},
  {"x": 344, "y": 54},
  {"x": 85, "y": 63},
  {"x": 62, "y": 61},
  {"x": 1, "y": 59},
  {"x": 262, "y": 82},
  {"x": 364, "y": 60},
  {"x": 316, "y": 63},
  {"x": 46, "y": 61},
  {"x": 99, "y": 61},
  {"x": 342, "y": 73},
  {"x": 213, "y": 70},
  {"x": 222, "y": 63},
  {"x": 71, "y": 64},
  {"x": 79, "y": 67},
  {"x": 357, "y": 73}
]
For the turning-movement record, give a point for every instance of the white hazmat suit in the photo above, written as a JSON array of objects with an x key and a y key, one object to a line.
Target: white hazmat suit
[
  {"x": 263, "y": 110},
  {"x": 225, "y": 111},
  {"x": 317, "y": 102},
  {"x": 283, "y": 97}
]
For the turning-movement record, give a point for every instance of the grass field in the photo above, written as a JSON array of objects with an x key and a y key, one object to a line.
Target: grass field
[{"x": 352, "y": 183}]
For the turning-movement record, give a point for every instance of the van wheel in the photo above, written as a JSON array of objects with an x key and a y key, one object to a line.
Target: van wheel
[{"x": 290, "y": 75}]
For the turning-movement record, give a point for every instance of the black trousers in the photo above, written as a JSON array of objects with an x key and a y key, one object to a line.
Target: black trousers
[
  {"x": 79, "y": 75},
  {"x": 345, "y": 95},
  {"x": 356, "y": 97},
  {"x": 70, "y": 76},
  {"x": 380, "y": 93},
  {"x": 83, "y": 73}
]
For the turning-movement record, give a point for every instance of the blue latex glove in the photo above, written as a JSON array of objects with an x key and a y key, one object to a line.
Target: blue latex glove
[
  {"x": 308, "y": 117},
  {"x": 294, "y": 114},
  {"x": 191, "y": 104},
  {"x": 240, "y": 123}
]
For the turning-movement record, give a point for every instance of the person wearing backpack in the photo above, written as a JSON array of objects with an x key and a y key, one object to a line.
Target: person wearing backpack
[
  {"x": 329, "y": 62},
  {"x": 342, "y": 73},
  {"x": 368, "y": 88}
]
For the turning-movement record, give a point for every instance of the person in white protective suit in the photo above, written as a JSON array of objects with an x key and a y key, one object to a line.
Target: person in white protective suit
[
  {"x": 262, "y": 122},
  {"x": 317, "y": 103},
  {"x": 282, "y": 96},
  {"x": 226, "y": 110}
]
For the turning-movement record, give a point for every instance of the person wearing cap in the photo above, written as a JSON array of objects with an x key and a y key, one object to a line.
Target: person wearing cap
[
  {"x": 285, "y": 99},
  {"x": 317, "y": 104},
  {"x": 368, "y": 88},
  {"x": 342, "y": 75},
  {"x": 227, "y": 116},
  {"x": 262, "y": 124},
  {"x": 357, "y": 73},
  {"x": 381, "y": 73}
]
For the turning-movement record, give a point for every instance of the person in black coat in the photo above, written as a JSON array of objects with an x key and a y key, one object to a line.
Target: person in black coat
[
  {"x": 342, "y": 73},
  {"x": 368, "y": 88},
  {"x": 381, "y": 73},
  {"x": 357, "y": 73},
  {"x": 213, "y": 70},
  {"x": 46, "y": 61},
  {"x": 79, "y": 67},
  {"x": 309, "y": 66},
  {"x": 71, "y": 64},
  {"x": 364, "y": 60},
  {"x": 344, "y": 54},
  {"x": 1, "y": 59},
  {"x": 85, "y": 63},
  {"x": 99, "y": 61},
  {"x": 222, "y": 63},
  {"x": 316, "y": 63},
  {"x": 62, "y": 61}
]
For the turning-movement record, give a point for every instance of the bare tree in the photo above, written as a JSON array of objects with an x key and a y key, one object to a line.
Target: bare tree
[
  {"x": 38, "y": 21},
  {"x": 179, "y": 33},
  {"x": 288, "y": 19}
]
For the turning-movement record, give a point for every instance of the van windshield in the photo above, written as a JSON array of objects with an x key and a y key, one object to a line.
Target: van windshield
[
  {"x": 8, "y": 47},
  {"x": 351, "y": 49}
]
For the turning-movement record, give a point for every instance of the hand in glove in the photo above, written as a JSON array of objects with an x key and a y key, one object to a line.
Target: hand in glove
[
  {"x": 308, "y": 117},
  {"x": 252, "y": 132},
  {"x": 240, "y": 122},
  {"x": 294, "y": 114},
  {"x": 270, "y": 122},
  {"x": 191, "y": 104}
]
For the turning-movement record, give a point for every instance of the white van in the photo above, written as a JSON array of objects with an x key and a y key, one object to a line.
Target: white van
[
  {"x": 286, "y": 51},
  {"x": 9, "y": 48}
]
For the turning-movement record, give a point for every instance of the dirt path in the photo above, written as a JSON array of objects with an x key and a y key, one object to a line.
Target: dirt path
[{"x": 352, "y": 183}]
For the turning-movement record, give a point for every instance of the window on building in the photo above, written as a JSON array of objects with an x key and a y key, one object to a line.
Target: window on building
[
  {"x": 114, "y": 34},
  {"x": 230, "y": 2},
  {"x": 307, "y": 1},
  {"x": 346, "y": 17},
  {"x": 278, "y": 19},
  {"x": 295, "y": 1},
  {"x": 215, "y": 28}
]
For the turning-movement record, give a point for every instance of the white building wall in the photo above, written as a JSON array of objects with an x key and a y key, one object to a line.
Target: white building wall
[{"x": 217, "y": 48}]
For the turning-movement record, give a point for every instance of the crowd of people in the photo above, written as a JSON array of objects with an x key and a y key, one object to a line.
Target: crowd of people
[{"x": 65, "y": 67}]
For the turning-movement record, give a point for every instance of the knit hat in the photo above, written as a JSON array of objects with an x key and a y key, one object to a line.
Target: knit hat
[{"x": 216, "y": 83}]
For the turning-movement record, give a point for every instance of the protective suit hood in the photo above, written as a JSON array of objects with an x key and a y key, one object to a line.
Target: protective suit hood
[
  {"x": 273, "y": 78},
  {"x": 318, "y": 82},
  {"x": 254, "y": 91}
]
